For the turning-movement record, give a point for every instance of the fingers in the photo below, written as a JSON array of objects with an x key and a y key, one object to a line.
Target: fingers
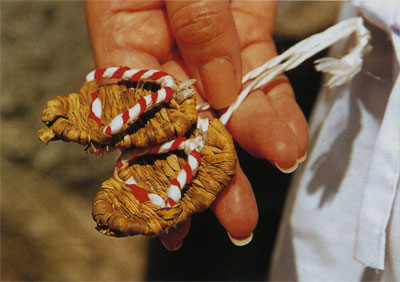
[
  {"x": 208, "y": 42},
  {"x": 128, "y": 33},
  {"x": 236, "y": 209},
  {"x": 269, "y": 125}
]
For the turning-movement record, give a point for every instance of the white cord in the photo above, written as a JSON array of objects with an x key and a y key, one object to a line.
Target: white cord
[{"x": 342, "y": 70}]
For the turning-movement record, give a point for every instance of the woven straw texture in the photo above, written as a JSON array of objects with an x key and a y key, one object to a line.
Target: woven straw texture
[
  {"x": 118, "y": 213},
  {"x": 67, "y": 118}
]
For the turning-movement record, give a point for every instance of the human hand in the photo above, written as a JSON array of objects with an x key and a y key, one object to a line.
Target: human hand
[{"x": 214, "y": 42}]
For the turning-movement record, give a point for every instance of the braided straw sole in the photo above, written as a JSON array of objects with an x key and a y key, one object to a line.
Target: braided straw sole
[
  {"x": 67, "y": 118},
  {"x": 118, "y": 213}
]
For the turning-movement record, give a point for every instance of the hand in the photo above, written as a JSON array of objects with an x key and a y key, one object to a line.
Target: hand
[{"x": 214, "y": 42}]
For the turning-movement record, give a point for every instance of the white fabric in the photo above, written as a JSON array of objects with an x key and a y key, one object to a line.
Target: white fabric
[
  {"x": 344, "y": 200},
  {"x": 380, "y": 189},
  {"x": 383, "y": 14}
]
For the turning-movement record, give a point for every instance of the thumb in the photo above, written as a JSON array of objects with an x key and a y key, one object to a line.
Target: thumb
[{"x": 206, "y": 35}]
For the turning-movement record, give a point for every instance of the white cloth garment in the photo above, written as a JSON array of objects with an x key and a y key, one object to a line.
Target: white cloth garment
[{"x": 342, "y": 216}]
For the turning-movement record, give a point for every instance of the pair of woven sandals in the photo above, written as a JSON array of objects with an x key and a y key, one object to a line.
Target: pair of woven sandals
[{"x": 172, "y": 164}]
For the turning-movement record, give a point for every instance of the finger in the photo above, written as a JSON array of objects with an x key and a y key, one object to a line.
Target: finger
[
  {"x": 281, "y": 97},
  {"x": 173, "y": 240},
  {"x": 262, "y": 134},
  {"x": 128, "y": 33},
  {"x": 281, "y": 135},
  {"x": 236, "y": 209},
  {"x": 176, "y": 67},
  {"x": 254, "y": 22},
  {"x": 207, "y": 39}
]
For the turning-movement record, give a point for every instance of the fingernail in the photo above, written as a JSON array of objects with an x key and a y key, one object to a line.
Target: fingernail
[
  {"x": 220, "y": 83},
  {"x": 241, "y": 241},
  {"x": 294, "y": 167},
  {"x": 173, "y": 248},
  {"x": 303, "y": 158},
  {"x": 288, "y": 170}
]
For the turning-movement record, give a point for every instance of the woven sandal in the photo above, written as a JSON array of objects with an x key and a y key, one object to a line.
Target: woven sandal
[
  {"x": 173, "y": 163},
  {"x": 144, "y": 195},
  {"x": 135, "y": 113}
]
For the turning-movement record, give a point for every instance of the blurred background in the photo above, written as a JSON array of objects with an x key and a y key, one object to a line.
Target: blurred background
[{"x": 47, "y": 232}]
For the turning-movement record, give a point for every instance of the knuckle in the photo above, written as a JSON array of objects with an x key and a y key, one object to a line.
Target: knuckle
[{"x": 198, "y": 23}]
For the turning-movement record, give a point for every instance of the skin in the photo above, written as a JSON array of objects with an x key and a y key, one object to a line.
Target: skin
[{"x": 181, "y": 38}]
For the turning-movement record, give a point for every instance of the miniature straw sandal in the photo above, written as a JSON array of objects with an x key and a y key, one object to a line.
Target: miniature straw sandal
[
  {"x": 172, "y": 162},
  {"x": 153, "y": 192},
  {"x": 142, "y": 110}
]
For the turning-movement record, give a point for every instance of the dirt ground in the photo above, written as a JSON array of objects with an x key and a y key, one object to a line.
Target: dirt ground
[{"x": 47, "y": 232}]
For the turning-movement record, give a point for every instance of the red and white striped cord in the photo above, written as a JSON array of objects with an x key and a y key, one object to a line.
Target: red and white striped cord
[
  {"x": 165, "y": 147},
  {"x": 95, "y": 108},
  {"x": 144, "y": 104},
  {"x": 192, "y": 148},
  {"x": 168, "y": 90},
  {"x": 141, "y": 194},
  {"x": 174, "y": 191}
]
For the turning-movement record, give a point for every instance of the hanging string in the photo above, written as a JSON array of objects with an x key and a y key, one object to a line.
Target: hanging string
[{"x": 342, "y": 70}]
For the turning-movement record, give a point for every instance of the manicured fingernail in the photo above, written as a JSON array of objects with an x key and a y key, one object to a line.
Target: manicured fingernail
[
  {"x": 220, "y": 83},
  {"x": 173, "y": 248},
  {"x": 240, "y": 241}
]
